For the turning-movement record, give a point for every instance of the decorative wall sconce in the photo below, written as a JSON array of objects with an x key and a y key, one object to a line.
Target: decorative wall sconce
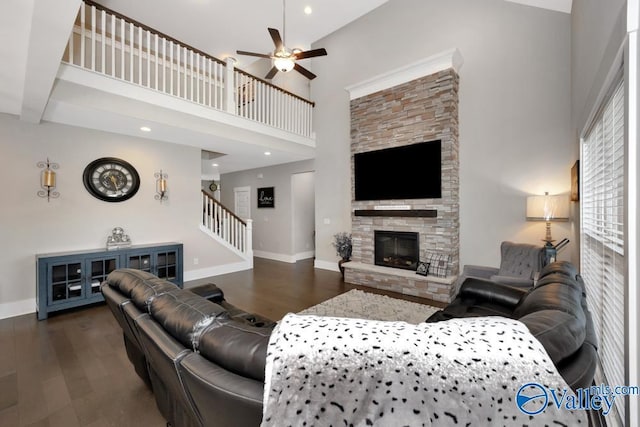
[
  {"x": 48, "y": 180},
  {"x": 161, "y": 186}
]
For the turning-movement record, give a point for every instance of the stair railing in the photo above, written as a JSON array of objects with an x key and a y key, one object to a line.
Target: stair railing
[{"x": 222, "y": 222}]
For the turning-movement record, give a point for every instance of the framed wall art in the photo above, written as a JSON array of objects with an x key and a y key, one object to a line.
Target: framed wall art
[{"x": 266, "y": 197}]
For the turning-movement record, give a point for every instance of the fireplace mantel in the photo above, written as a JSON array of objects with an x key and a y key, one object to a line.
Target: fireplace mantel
[{"x": 408, "y": 213}]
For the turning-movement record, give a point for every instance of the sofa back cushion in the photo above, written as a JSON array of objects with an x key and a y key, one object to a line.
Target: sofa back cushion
[
  {"x": 126, "y": 279},
  {"x": 184, "y": 315},
  {"x": 560, "y": 333},
  {"x": 237, "y": 347},
  {"x": 520, "y": 260}
]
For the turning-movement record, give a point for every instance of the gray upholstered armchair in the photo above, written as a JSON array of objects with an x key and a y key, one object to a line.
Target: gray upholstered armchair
[{"x": 520, "y": 264}]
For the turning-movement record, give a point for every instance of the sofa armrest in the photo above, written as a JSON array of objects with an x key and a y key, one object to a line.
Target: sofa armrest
[
  {"x": 497, "y": 293},
  {"x": 479, "y": 271},
  {"x": 208, "y": 291},
  {"x": 513, "y": 281}
]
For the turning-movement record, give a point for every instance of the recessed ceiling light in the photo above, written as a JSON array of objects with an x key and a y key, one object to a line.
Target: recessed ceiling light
[
  {"x": 267, "y": 153},
  {"x": 308, "y": 10},
  {"x": 214, "y": 164},
  {"x": 145, "y": 129}
]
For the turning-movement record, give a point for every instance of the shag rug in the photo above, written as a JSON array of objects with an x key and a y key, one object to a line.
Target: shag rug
[{"x": 358, "y": 304}]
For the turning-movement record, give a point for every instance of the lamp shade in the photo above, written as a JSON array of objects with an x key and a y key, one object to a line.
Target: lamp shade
[{"x": 548, "y": 208}]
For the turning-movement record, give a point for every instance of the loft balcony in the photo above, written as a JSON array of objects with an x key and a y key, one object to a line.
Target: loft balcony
[{"x": 117, "y": 73}]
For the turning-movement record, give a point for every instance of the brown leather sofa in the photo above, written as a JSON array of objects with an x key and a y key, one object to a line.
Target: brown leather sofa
[{"x": 204, "y": 361}]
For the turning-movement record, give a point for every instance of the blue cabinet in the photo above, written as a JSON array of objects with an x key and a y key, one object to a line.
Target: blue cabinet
[{"x": 72, "y": 279}]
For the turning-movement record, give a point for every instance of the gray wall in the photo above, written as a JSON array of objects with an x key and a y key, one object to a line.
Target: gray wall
[
  {"x": 272, "y": 227},
  {"x": 76, "y": 220},
  {"x": 515, "y": 136},
  {"x": 303, "y": 213}
]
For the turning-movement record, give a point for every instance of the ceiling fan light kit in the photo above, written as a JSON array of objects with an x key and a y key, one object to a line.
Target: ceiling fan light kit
[{"x": 284, "y": 59}]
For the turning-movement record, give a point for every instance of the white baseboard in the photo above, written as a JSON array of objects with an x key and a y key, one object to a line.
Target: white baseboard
[
  {"x": 275, "y": 256},
  {"x": 326, "y": 265},
  {"x": 304, "y": 255},
  {"x": 217, "y": 270},
  {"x": 17, "y": 308}
]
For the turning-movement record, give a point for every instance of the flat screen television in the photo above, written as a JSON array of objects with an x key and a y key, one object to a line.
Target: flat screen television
[{"x": 408, "y": 172}]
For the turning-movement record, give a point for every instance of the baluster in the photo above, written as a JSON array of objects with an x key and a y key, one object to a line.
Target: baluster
[
  {"x": 131, "y": 47},
  {"x": 192, "y": 75},
  {"x": 171, "y": 69},
  {"x": 185, "y": 60},
  {"x": 148, "y": 82},
  {"x": 140, "y": 56},
  {"x": 178, "y": 63},
  {"x": 157, "y": 59},
  {"x": 93, "y": 38},
  {"x": 103, "y": 41},
  {"x": 113, "y": 45},
  {"x": 82, "y": 33},
  {"x": 123, "y": 32},
  {"x": 164, "y": 65},
  {"x": 73, "y": 32}
]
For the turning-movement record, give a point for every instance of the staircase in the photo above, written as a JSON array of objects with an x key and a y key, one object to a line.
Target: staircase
[{"x": 227, "y": 228}]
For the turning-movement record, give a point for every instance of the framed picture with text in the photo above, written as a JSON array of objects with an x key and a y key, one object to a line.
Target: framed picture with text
[{"x": 266, "y": 197}]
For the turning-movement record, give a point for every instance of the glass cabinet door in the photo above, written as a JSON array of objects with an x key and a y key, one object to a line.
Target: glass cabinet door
[
  {"x": 100, "y": 269},
  {"x": 167, "y": 265},
  {"x": 140, "y": 262},
  {"x": 66, "y": 282}
]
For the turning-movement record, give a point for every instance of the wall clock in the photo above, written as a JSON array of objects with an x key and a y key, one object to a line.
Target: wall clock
[
  {"x": 111, "y": 179},
  {"x": 213, "y": 186}
]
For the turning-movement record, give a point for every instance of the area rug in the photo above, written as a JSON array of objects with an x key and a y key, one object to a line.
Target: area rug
[{"x": 364, "y": 305}]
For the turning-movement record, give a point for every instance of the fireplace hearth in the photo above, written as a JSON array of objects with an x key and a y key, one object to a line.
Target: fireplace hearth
[{"x": 397, "y": 249}]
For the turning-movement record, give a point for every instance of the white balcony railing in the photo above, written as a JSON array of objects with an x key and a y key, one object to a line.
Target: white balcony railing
[{"x": 106, "y": 42}]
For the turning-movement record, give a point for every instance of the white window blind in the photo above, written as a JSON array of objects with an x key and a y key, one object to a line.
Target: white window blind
[{"x": 602, "y": 235}]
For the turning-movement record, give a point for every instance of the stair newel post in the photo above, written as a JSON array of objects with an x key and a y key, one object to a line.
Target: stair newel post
[
  {"x": 230, "y": 87},
  {"x": 249, "y": 240}
]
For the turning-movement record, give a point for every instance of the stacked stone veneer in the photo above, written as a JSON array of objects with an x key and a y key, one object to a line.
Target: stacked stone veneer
[{"x": 421, "y": 110}]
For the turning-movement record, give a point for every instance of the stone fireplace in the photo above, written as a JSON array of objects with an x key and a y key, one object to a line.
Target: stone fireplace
[
  {"x": 423, "y": 109},
  {"x": 396, "y": 249}
]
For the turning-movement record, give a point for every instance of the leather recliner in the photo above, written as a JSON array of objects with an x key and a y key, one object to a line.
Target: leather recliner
[
  {"x": 204, "y": 361},
  {"x": 555, "y": 311}
]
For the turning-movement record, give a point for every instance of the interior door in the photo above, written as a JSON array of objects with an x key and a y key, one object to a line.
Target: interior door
[{"x": 242, "y": 202}]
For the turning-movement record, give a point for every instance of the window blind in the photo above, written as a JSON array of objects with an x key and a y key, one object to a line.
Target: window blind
[{"x": 602, "y": 235}]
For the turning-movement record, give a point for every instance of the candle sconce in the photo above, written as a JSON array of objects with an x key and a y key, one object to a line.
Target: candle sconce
[
  {"x": 161, "y": 186},
  {"x": 48, "y": 180}
]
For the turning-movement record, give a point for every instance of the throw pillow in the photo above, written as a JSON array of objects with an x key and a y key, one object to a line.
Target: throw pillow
[
  {"x": 438, "y": 264},
  {"x": 423, "y": 268}
]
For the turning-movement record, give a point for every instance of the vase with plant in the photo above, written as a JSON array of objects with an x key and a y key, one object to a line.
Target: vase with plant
[{"x": 342, "y": 243}]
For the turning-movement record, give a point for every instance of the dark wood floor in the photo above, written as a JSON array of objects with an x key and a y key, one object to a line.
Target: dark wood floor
[{"x": 72, "y": 370}]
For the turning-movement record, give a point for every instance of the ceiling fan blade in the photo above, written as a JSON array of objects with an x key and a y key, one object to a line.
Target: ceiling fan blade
[
  {"x": 272, "y": 72},
  {"x": 275, "y": 36},
  {"x": 311, "y": 53},
  {"x": 308, "y": 74},
  {"x": 260, "y": 55}
]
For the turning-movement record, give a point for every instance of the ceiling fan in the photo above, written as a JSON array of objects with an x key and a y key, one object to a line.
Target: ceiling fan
[{"x": 284, "y": 59}]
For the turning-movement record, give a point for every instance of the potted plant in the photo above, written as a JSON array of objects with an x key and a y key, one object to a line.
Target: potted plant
[{"x": 342, "y": 243}]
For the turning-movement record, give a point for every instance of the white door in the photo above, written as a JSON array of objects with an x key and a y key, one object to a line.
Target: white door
[{"x": 242, "y": 202}]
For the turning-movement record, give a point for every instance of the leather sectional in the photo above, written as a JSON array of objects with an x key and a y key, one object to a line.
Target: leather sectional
[{"x": 205, "y": 359}]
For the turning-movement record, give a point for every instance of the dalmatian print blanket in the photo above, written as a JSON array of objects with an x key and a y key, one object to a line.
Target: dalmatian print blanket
[{"x": 330, "y": 371}]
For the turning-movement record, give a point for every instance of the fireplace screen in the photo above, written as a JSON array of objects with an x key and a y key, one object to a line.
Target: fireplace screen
[{"x": 397, "y": 249}]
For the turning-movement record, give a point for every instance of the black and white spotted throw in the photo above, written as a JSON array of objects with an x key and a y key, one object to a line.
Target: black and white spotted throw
[{"x": 329, "y": 371}]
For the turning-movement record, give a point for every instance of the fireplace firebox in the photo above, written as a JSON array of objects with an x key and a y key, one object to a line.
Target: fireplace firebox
[{"x": 397, "y": 249}]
